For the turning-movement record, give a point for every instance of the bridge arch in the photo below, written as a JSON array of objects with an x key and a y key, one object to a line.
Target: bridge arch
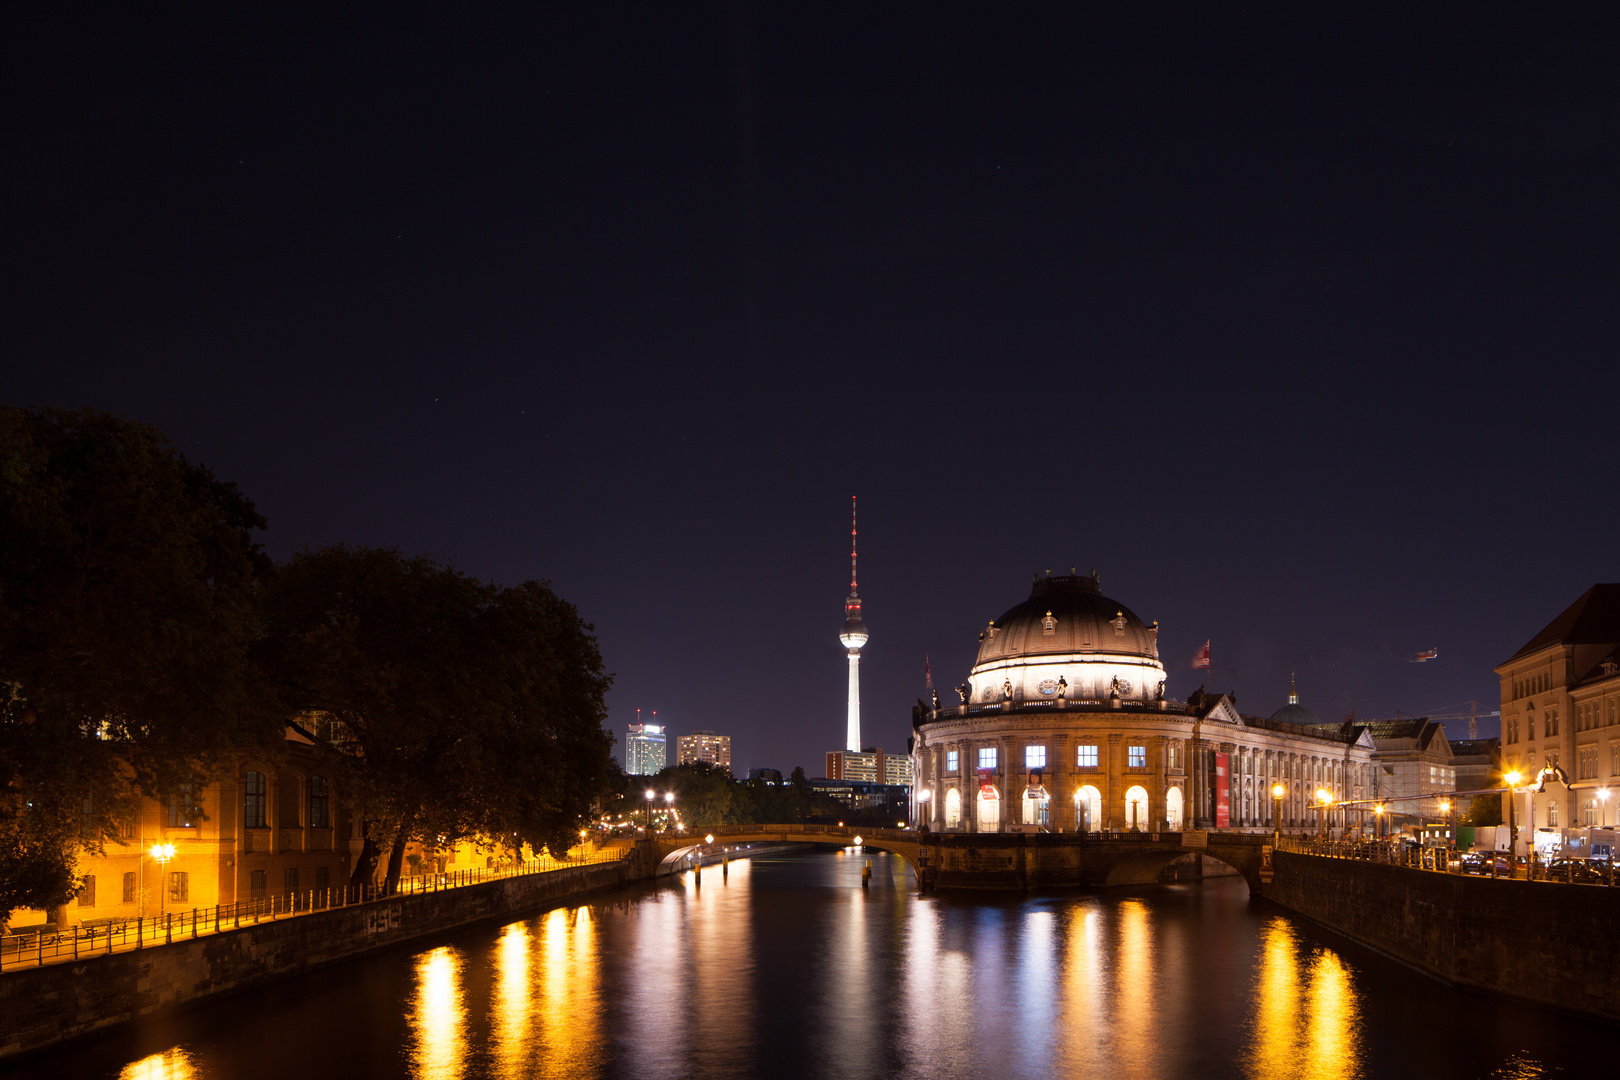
[{"x": 671, "y": 852}]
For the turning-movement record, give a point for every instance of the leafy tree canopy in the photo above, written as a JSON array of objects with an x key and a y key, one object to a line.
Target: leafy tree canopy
[
  {"x": 461, "y": 708},
  {"x": 127, "y": 623}
]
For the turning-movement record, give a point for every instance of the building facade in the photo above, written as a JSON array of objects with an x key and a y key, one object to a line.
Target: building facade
[
  {"x": 704, "y": 746},
  {"x": 645, "y": 750},
  {"x": 266, "y": 828},
  {"x": 870, "y": 766},
  {"x": 1064, "y": 725},
  {"x": 1561, "y": 712}
]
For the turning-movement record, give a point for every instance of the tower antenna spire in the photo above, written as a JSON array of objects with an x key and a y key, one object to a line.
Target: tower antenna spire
[{"x": 852, "y": 538}]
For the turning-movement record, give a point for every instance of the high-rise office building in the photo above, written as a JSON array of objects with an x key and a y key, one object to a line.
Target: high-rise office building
[
  {"x": 704, "y": 746},
  {"x": 644, "y": 750}
]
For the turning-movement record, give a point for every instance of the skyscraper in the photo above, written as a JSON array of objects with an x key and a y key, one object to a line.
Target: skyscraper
[
  {"x": 644, "y": 749},
  {"x": 704, "y": 746},
  {"x": 853, "y": 636}
]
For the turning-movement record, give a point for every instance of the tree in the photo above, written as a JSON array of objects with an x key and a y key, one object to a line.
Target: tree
[
  {"x": 1483, "y": 811},
  {"x": 127, "y": 623},
  {"x": 460, "y": 708}
]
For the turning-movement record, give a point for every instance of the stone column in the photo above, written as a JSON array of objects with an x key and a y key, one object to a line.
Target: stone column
[
  {"x": 1114, "y": 797},
  {"x": 1011, "y": 809},
  {"x": 1063, "y": 784},
  {"x": 1268, "y": 764},
  {"x": 1157, "y": 810}
]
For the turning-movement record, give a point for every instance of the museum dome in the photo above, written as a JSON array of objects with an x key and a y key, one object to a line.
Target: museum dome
[
  {"x": 1294, "y": 712},
  {"x": 1067, "y": 642},
  {"x": 1067, "y": 614}
]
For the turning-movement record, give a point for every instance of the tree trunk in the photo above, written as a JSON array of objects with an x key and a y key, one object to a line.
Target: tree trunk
[
  {"x": 365, "y": 864},
  {"x": 396, "y": 854}
]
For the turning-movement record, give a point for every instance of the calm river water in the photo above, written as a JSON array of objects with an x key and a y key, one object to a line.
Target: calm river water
[{"x": 790, "y": 969}]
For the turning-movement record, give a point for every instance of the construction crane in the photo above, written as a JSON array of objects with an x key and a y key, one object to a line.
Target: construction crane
[{"x": 1472, "y": 716}]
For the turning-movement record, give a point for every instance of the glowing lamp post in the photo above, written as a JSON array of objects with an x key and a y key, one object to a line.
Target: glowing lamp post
[
  {"x": 161, "y": 854},
  {"x": 1378, "y": 821},
  {"x": 1603, "y": 811},
  {"x": 1512, "y": 781},
  {"x": 669, "y": 802},
  {"x": 1323, "y": 801},
  {"x": 1277, "y": 793},
  {"x": 650, "y": 794},
  {"x": 922, "y": 805}
]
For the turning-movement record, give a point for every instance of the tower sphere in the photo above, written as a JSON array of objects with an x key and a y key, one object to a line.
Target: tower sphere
[{"x": 853, "y": 635}]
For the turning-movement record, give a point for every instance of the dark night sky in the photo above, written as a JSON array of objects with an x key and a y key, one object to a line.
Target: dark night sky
[{"x": 1299, "y": 328}]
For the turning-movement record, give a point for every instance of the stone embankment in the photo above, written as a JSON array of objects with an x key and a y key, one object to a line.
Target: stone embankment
[
  {"x": 44, "y": 1007},
  {"x": 1543, "y": 942}
]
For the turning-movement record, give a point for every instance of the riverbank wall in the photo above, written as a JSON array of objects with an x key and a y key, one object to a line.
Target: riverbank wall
[
  {"x": 45, "y": 1007},
  {"x": 1548, "y": 943}
]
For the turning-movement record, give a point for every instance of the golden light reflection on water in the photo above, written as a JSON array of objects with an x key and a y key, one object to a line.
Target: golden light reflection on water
[
  {"x": 1085, "y": 985},
  {"x": 1314, "y": 1030},
  {"x": 569, "y": 1008},
  {"x": 438, "y": 1016},
  {"x": 514, "y": 1000},
  {"x": 173, "y": 1064},
  {"x": 1136, "y": 1035}
]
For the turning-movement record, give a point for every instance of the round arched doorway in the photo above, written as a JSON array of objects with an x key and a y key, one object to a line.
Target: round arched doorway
[
  {"x": 1136, "y": 803},
  {"x": 1088, "y": 809}
]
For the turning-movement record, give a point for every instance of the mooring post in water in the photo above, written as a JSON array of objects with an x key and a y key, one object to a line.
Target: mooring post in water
[
  {"x": 866, "y": 874},
  {"x": 725, "y": 868}
]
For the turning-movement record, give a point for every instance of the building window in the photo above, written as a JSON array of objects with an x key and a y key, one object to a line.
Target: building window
[
  {"x": 179, "y": 885},
  {"x": 180, "y": 809},
  {"x": 953, "y": 809},
  {"x": 320, "y": 804},
  {"x": 1614, "y": 759},
  {"x": 289, "y": 880},
  {"x": 256, "y": 884},
  {"x": 253, "y": 800},
  {"x": 323, "y": 878},
  {"x": 129, "y": 887},
  {"x": 1086, "y": 757},
  {"x": 1136, "y": 757},
  {"x": 950, "y": 761},
  {"x": 87, "y": 891},
  {"x": 1034, "y": 757},
  {"x": 987, "y": 757},
  {"x": 1552, "y": 813},
  {"x": 1589, "y": 812}
]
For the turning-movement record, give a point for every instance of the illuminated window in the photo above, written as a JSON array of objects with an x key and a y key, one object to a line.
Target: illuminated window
[
  {"x": 953, "y": 809},
  {"x": 320, "y": 804},
  {"x": 950, "y": 761},
  {"x": 1086, "y": 757},
  {"x": 179, "y": 885},
  {"x": 87, "y": 891},
  {"x": 180, "y": 809},
  {"x": 1589, "y": 812},
  {"x": 253, "y": 800},
  {"x": 1552, "y": 812},
  {"x": 987, "y": 757},
  {"x": 129, "y": 887},
  {"x": 289, "y": 880},
  {"x": 1136, "y": 757},
  {"x": 1034, "y": 757}
]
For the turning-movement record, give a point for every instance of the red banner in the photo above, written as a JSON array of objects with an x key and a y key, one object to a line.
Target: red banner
[{"x": 1223, "y": 791}]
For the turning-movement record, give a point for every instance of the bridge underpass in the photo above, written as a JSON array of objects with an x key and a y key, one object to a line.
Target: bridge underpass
[{"x": 993, "y": 860}]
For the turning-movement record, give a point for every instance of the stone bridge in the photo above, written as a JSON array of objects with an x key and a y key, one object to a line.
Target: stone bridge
[{"x": 995, "y": 860}]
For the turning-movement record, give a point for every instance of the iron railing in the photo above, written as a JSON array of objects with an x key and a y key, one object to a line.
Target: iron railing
[
  {"x": 1563, "y": 871},
  {"x": 43, "y": 946}
]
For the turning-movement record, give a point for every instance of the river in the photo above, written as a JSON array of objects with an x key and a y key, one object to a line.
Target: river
[{"x": 787, "y": 968}]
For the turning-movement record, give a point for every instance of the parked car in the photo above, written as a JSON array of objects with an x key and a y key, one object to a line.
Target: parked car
[
  {"x": 1477, "y": 862},
  {"x": 1579, "y": 871}
]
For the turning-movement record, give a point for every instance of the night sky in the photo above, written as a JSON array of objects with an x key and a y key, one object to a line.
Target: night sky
[{"x": 1300, "y": 328}]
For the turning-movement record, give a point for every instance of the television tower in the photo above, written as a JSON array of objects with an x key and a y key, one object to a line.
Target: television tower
[{"x": 853, "y": 636}]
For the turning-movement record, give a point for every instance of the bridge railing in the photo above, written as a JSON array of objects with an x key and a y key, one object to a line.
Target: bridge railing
[
  {"x": 1489, "y": 864},
  {"x": 43, "y": 946}
]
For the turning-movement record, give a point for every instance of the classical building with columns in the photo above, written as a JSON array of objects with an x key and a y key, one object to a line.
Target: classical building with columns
[{"x": 1064, "y": 726}]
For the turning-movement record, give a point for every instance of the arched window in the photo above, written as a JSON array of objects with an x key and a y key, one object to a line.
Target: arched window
[
  {"x": 1552, "y": 813},
  {"x": 1136, "y": 808},
  {"x": 1088, "y": 808},
  {"x": 1172, "y": 808},
  {"x": 1037, "y": 807},
  {"x": 953, "y": 809},
  {"x": 253, "y": 789},
  {"x": 320, "y": 804},
  {"x": 989, "y": 801}
]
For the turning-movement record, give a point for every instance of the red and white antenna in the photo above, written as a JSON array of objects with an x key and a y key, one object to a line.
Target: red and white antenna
[{"x": 852, "y": 545}]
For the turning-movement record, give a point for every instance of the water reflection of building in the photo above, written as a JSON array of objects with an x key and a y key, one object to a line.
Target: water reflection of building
[{"x": 1065, "y": 725}]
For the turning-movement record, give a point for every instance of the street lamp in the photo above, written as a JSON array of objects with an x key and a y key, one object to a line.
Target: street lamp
[
  {"x": 1378, "y": 821},
  {"x": 161, "y": 853},
  {"x": 1323, "y": 801},
  {"x": 922, "y": 805},
  {"x": 650, "y": 794},
  {"x": 669, "y": 804},
  {"x": 1603, "y": 809},
  {"x": 1512, "y": 781},
  {"x": 1277, "y": 793}
]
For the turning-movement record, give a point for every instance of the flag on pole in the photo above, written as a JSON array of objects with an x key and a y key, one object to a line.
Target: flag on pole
[
  {"x": 928, "y": 674},
  {"x": 1201, "y": 657}
]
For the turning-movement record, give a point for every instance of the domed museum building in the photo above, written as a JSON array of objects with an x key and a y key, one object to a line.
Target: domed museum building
[{"x": 1065, "y": 726}]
